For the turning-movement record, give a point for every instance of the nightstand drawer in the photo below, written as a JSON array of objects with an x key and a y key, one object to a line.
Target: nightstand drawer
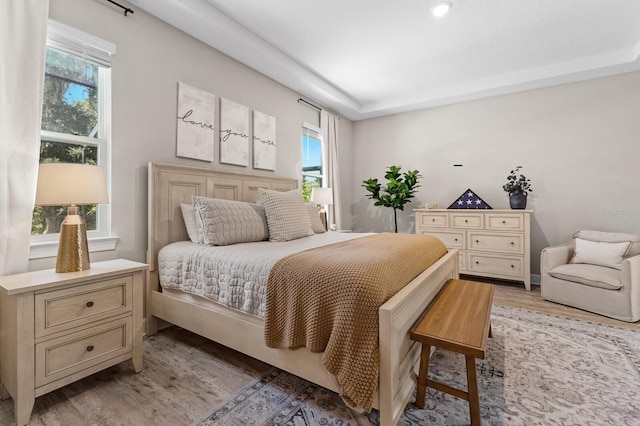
[
  {"x": 63, "y": 356},
  {"x": 71, "y": 307},
  {"x": 450, "y": 239},
  {"x": 504, "y": 243},
  {"x": 435, "y": 220},
  {"x": 498, "y": 222},
  {"x": 466, "y": 220},
  {"x": 506, "y": 266}
]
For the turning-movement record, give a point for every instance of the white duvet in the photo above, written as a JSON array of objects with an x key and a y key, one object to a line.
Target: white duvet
[{"x": 234, "y": 275}]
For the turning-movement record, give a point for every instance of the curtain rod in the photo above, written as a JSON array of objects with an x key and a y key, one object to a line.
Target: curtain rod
[
  {"x": 310, "y": 104},
  {"x": 126, "y": 9},
  {"x": 314, "y": 106}
]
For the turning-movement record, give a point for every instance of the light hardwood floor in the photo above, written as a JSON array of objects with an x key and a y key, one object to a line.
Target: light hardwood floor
[{"x": 185, "y": 376}]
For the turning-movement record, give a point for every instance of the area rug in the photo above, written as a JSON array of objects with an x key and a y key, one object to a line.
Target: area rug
[{"x": 539, "y": 369}]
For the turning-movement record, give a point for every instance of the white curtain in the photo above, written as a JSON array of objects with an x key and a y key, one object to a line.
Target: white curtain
[
  {"x": 329, "y": 125},
  {"x": 23, "y": 37}
]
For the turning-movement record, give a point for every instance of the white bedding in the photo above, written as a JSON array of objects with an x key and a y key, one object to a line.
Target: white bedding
[{"x": 234, "y": 275}]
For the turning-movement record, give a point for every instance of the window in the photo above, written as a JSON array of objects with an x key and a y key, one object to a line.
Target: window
[
  {"x": 312, "y": 160},
  {"x": 76, "y": 126}
]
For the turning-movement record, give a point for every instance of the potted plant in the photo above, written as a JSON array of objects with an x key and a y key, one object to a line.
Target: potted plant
[
  {"x": 518, "y": 188},
  {"x": 398, "y": 192}
]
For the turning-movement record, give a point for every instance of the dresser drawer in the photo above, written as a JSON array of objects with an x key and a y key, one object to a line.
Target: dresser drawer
[
  {"x": 450, "y": 239},
  {"x": 71, "y": 307},
  {"x": 63, "y": 356},
  {"x": 504, "y": 243},
  {"x": 492, "y": 265},
  {"x": 433, "y": 220},
  {"x": 511, "y": 222},
  {"x": 466, "y": 220}
]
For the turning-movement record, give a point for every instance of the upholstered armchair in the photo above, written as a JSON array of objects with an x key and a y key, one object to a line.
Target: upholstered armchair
[{"x": 597, "y": 271}]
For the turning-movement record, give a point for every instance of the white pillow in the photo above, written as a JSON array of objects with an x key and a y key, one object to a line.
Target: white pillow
[
  {"x": 227, "y": 222},
  {"x": 287, "y": 215},
  {"x": 600, "y": 253},
  {"x": 314, "y": 217},
  {"x": 189, "y": 217}
]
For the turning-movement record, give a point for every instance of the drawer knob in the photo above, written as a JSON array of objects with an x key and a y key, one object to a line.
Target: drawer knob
[
  {"x": 477, "y": 241},
  {"x": 89, "y": 304},
  {"x": 455, "y": 239},
  {"x": 466, "y": 221},
  {"x": 89, "y": 348},
  {"x": 512, "y": 243},
  {"x": 504, "y": 221},
  {"x": 433, "y": 220},
  {"x": 477, "y": 263},
  {"x": 512, "y": 266}
]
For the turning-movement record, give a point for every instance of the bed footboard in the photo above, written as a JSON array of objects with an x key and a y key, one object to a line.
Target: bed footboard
[{"x": 399, "y": 355}]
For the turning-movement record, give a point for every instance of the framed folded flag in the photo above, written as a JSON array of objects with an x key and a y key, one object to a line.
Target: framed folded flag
[{"x": 469, "y": 200}]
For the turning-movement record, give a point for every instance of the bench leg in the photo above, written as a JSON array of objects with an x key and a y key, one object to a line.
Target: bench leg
[
  {"x": 472, "y": 384},
  {"x": 422, "y": 376}
]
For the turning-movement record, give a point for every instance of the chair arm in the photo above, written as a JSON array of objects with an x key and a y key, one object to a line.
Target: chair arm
[
  {"x": 631, "y": 283},
  {"x": 554, "y": 256}
]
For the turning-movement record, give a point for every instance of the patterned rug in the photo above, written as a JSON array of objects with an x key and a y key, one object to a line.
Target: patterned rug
[{"x": 539, "y": 370}]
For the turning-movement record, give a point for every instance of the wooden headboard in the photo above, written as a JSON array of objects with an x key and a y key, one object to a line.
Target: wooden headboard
[{"x": 172, "y": 184}]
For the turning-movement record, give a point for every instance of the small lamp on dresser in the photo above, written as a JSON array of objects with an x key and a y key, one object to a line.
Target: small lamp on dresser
[
  {"x": 323, "y": 197},
  {"x": 73, "y": 185}
]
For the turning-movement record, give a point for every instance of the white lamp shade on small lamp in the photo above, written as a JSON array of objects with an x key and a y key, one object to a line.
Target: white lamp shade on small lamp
[
  {"x": 73, "y": 185},
  {"x": 323, "y": 197},
  {"x": 66, "y": 184}
]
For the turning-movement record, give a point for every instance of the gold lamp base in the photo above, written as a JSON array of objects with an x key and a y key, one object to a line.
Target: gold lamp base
[
  {"x": 73, "y": 250},
  {"x": 323, "y": 219}
]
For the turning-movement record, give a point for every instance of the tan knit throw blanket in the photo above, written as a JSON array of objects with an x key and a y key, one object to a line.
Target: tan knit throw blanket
[{"x": 327, "y": 299}]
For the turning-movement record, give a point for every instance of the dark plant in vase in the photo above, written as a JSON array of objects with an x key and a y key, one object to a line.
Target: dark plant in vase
[
  {"x": 398, "y": 192},
  {"x": 518, "y": 188}
]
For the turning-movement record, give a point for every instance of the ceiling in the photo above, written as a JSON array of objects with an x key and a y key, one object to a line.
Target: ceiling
[{"x": 368, "y": 58}]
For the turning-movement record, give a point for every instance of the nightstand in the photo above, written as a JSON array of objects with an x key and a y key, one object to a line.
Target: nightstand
[{"x": 56, "y": 328}]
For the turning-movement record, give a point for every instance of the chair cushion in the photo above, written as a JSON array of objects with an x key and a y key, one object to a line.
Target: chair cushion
[
  {"x": 610, "y": 237},
  {"x": 599, "y": 253},
  {"x": 591, "y": 275}
]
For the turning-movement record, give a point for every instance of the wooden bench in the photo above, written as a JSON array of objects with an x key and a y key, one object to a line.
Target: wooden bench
[{"x": 457, "y": 320}]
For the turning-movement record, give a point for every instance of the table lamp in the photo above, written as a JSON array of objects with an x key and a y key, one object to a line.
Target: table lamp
[
  {"x": 73, "y": 185},
  {"x": 322, "y": 196}
]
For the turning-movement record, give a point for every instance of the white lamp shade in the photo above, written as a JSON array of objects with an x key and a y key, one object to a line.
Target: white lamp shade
[
  {"x": 322, "y": 196},
  {"x": 64, "y": 184}
]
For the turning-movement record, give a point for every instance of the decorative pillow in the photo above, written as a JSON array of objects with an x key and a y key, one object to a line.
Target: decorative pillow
[
  {"x": 189, "y": 217},
  {"x": 287, "y": 215},
  {"x": 600, "y": 253},
  {"x": 314, "y": 217},
  {"x": 611, "y": 237},
  {"x": 227, "y": 222}
]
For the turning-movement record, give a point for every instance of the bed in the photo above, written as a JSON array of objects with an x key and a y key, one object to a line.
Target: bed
[{"x": 170, "y": 185}]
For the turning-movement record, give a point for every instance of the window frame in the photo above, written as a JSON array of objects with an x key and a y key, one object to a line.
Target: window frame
[
  {"x": 315, "y": 132},
  {"x": 86, "y": 46}
]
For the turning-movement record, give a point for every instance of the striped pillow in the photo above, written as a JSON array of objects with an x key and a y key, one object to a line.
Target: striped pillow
[{"x": 287, "y": 215}]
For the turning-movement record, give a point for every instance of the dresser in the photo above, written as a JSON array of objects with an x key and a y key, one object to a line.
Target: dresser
[
  {"x": 491, "y": 243},
  {"x": 56, "y": 328}
]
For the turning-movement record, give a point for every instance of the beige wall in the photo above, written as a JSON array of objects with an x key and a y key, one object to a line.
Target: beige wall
[
  {"x": 151, "y": 58},
  {"x": 579, "y": 143}
]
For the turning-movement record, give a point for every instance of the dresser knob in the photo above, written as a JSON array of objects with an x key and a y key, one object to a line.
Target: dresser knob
[
  {"x": 455, "y": 239},
  {"x": 89, "y": 304},
  {"x": 512, "y": 243},
  {"x": 512, "y": 266},
  {"x": 89, "y": 348},
  {"x": 477, "y": 263},
  {"x": 466, "y": 221},
  {"x": 477, "y": 241},
  {"x": 504, "y": 221}
]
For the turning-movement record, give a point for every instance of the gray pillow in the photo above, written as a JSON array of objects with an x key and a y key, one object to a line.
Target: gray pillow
[
  {"x": 314, "y": 217},
  {"x": 227, "y": 222},
  {"x": 287, "y": 216},
  {"x": 189, "y": 217}
]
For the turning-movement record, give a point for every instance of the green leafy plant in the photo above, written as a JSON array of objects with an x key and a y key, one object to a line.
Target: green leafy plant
[
  {"x": 398, "y": 192},
  {"x": 517, "y": 183}
]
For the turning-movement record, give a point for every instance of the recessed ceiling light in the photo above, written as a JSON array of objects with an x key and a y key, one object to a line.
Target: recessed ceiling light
[{"x": 441, "y": 9}]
